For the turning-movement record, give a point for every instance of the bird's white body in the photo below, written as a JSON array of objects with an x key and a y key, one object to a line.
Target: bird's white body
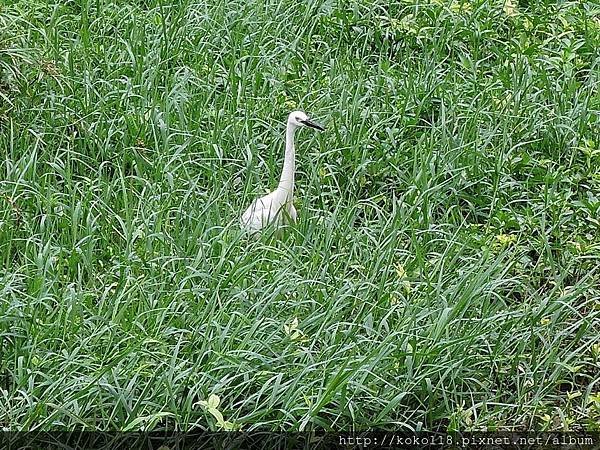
[{"x": 277, "y": 207}]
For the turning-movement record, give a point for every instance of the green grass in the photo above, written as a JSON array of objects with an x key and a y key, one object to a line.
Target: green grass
[{"x": 445, "y": 269}]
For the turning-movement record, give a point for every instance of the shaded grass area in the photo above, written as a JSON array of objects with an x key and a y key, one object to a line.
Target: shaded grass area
[{"x": 445, "y": 269}]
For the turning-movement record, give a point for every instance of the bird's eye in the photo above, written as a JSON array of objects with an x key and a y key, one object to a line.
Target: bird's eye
[{"x": 298, "y": 119}]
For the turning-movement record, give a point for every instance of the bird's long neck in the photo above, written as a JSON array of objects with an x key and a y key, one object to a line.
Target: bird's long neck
[{"x": 286, "y": 182}]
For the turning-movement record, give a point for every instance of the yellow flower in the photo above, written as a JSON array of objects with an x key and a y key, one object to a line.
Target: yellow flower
[
  {"x": 400, "y": 271},
  {"x": 545, "y": 321},
  {"x": 290, "y": 104},
  {"x": 511, "y": 8},
  {"x": 506, "y": 239}
]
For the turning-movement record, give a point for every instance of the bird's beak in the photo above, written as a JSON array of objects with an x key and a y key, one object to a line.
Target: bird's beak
[{"x": 315, "y": 125}]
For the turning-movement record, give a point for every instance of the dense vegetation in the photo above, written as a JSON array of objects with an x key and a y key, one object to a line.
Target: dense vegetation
[{"x": 445, "y": 270}]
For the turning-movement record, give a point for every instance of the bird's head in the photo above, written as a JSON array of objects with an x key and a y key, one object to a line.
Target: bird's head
[{"x": 300, "y": 119}]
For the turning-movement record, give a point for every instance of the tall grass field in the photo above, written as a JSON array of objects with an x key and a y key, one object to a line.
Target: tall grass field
[{"x": 444, "y": 272}]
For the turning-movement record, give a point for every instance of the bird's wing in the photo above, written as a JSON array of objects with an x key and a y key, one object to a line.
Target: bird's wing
[{"x": 260, "y": 213}]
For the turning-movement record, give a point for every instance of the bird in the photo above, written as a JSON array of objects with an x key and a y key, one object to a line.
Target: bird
[{"x": 277, "y": 207}]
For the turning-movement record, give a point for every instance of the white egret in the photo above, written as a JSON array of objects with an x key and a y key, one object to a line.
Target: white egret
[{"x": 277, "y": 207}]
